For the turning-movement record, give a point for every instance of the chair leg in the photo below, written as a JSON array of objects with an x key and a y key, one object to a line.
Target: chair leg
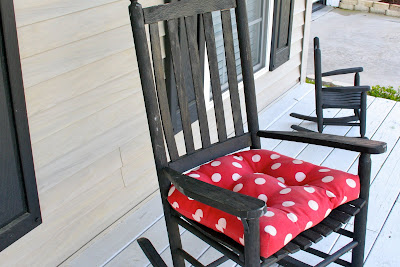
[
  {"x": 173, "y": 236},
  {"x": 151, "y": 253},
  {"x": 363, "y": 114},
  {"x": 252, "y": 242},
  {"x": 360, "y": 222},
  {"x": 320, "y": 123}
]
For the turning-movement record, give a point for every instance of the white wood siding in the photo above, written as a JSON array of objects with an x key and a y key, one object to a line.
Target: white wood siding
[
  {"x": 90, "y": 140},
  {"x": 85, "y": 110}
]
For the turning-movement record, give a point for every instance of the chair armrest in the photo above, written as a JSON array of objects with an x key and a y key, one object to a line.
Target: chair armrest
[
  {"x": 362, "y": 145},
  {"x": 347, "y": 89},
  {"x": 342, "y": 71},
  {"x": 237, "y": 204}
]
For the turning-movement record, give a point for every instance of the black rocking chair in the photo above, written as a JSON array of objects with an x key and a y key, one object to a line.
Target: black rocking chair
[
  {"x": 170, "y": 164},
  {"x": 347, "y": 97}
]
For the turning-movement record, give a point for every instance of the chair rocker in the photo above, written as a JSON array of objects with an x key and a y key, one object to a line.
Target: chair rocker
[
  {"x": 346, "y": 97},
  {"x": 254, "y": 205}
]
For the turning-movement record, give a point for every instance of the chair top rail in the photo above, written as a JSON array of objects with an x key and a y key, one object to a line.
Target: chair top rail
[
  {"x": 216, "y": 150},
  {"x": 184, "y": 8}
]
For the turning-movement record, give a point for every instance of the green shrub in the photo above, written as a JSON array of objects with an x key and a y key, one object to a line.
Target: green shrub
[
  {"x": 308, "y": 80},
  {"x": 385, "y": 92}
]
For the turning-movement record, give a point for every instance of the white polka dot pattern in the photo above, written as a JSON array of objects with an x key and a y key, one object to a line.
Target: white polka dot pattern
[
  {"x": 351, "y": 183},
  {"x": 171, "y": 191},
  {"x": 313, "y": 205},
  {"x": 275, "y": 156},
  {"x": 324, "y": 170},
  {"x": 292, "y": 217},
  {"x": 288, "y": 203},
  {"x": 270, "y": 230},
  {"x": 285, "y": 191},
  {"x": 216, "y": 177},
  {"x": 260, "y": 181},
  {"x": 327, "y": 179},
  {"x": 327, "y": 212},
  {"x": 276, "y": 166},
  {"x": 236, "y": 176},
  {"x": 281, "y": 185},
  {"x": 287, "y": 239},
  {"x": 308, "y": 225},
  {"x": 198, "y": 215},
  {"x": 238, "y": 187},
  {"x": 309, "y": 189},
  {"x": 300, "y": 176},
  {"x": 297, "y": 194},
  {"x": 215, "y": 163},
  {"x": 269, "y": 213},
  {"x": 237, "y": 165},
  {"x": 330, "y": 194},
  {"x": 238, "y": 158},
  {"x": 263, "y": 197},
  {"x": 256, "y": 158},
  {"x": 221, "y": 225}
]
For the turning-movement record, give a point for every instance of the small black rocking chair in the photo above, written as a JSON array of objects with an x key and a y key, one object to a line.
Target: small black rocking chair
[
  {"x": 170, "y": 164},
  {"x": 347, "y": 97}
]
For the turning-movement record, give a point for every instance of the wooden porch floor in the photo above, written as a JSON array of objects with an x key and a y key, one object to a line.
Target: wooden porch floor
[{"x": 118, "y": 246}]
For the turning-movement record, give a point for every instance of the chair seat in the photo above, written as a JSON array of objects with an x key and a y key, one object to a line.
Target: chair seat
[{"x": 298, "y": 194}]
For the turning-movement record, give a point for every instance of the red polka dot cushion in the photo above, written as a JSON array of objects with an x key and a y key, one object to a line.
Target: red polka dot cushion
[{"x": 298, "y": 194}]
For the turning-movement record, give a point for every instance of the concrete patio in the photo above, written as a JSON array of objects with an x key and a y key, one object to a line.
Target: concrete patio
[
  {"x": 358, "y": 39},
  {"x": 118, "y": 247}
]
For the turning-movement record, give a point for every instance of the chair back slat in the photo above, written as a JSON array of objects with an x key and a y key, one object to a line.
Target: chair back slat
[
  {"x": 247, "y": 72},
  {"x": 148, "y": 88},
  {"x": 162, "y": 91},
  {"x": 231, "y": 71},
  {"x": 180, "y": 84},
  {"x": 184, "y": 8},
  {"x": 214, "y": 76},
  {"x": 197, "y": 81},
  {"x": 189, "y": 36}
]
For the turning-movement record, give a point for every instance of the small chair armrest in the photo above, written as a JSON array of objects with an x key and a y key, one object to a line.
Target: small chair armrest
[
  {"x": 362, "y": 145},
  {"x": 347, "y": 89},
  {"x": 237, "y": 204},
  {"x": 342, "y": 71}
]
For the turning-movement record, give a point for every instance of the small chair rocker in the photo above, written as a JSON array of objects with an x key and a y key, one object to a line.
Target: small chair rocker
[
  {"x": 253, "y": 205},
  {"x": 346, "y": 97}
]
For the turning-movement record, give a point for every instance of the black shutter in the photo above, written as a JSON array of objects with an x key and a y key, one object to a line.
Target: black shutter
[
  {"x": 19, "y": 204},
  {"x": 281, "y": 32},
  {"x": 187, "y": 76}
]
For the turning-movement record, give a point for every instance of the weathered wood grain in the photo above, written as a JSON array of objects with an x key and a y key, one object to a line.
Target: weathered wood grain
[
  {"x": 231, "y": 71},
  {"x": 214, "y": 76},
  {"x": 186, "y": 9},
  {"x": 161, "y": 88}
]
